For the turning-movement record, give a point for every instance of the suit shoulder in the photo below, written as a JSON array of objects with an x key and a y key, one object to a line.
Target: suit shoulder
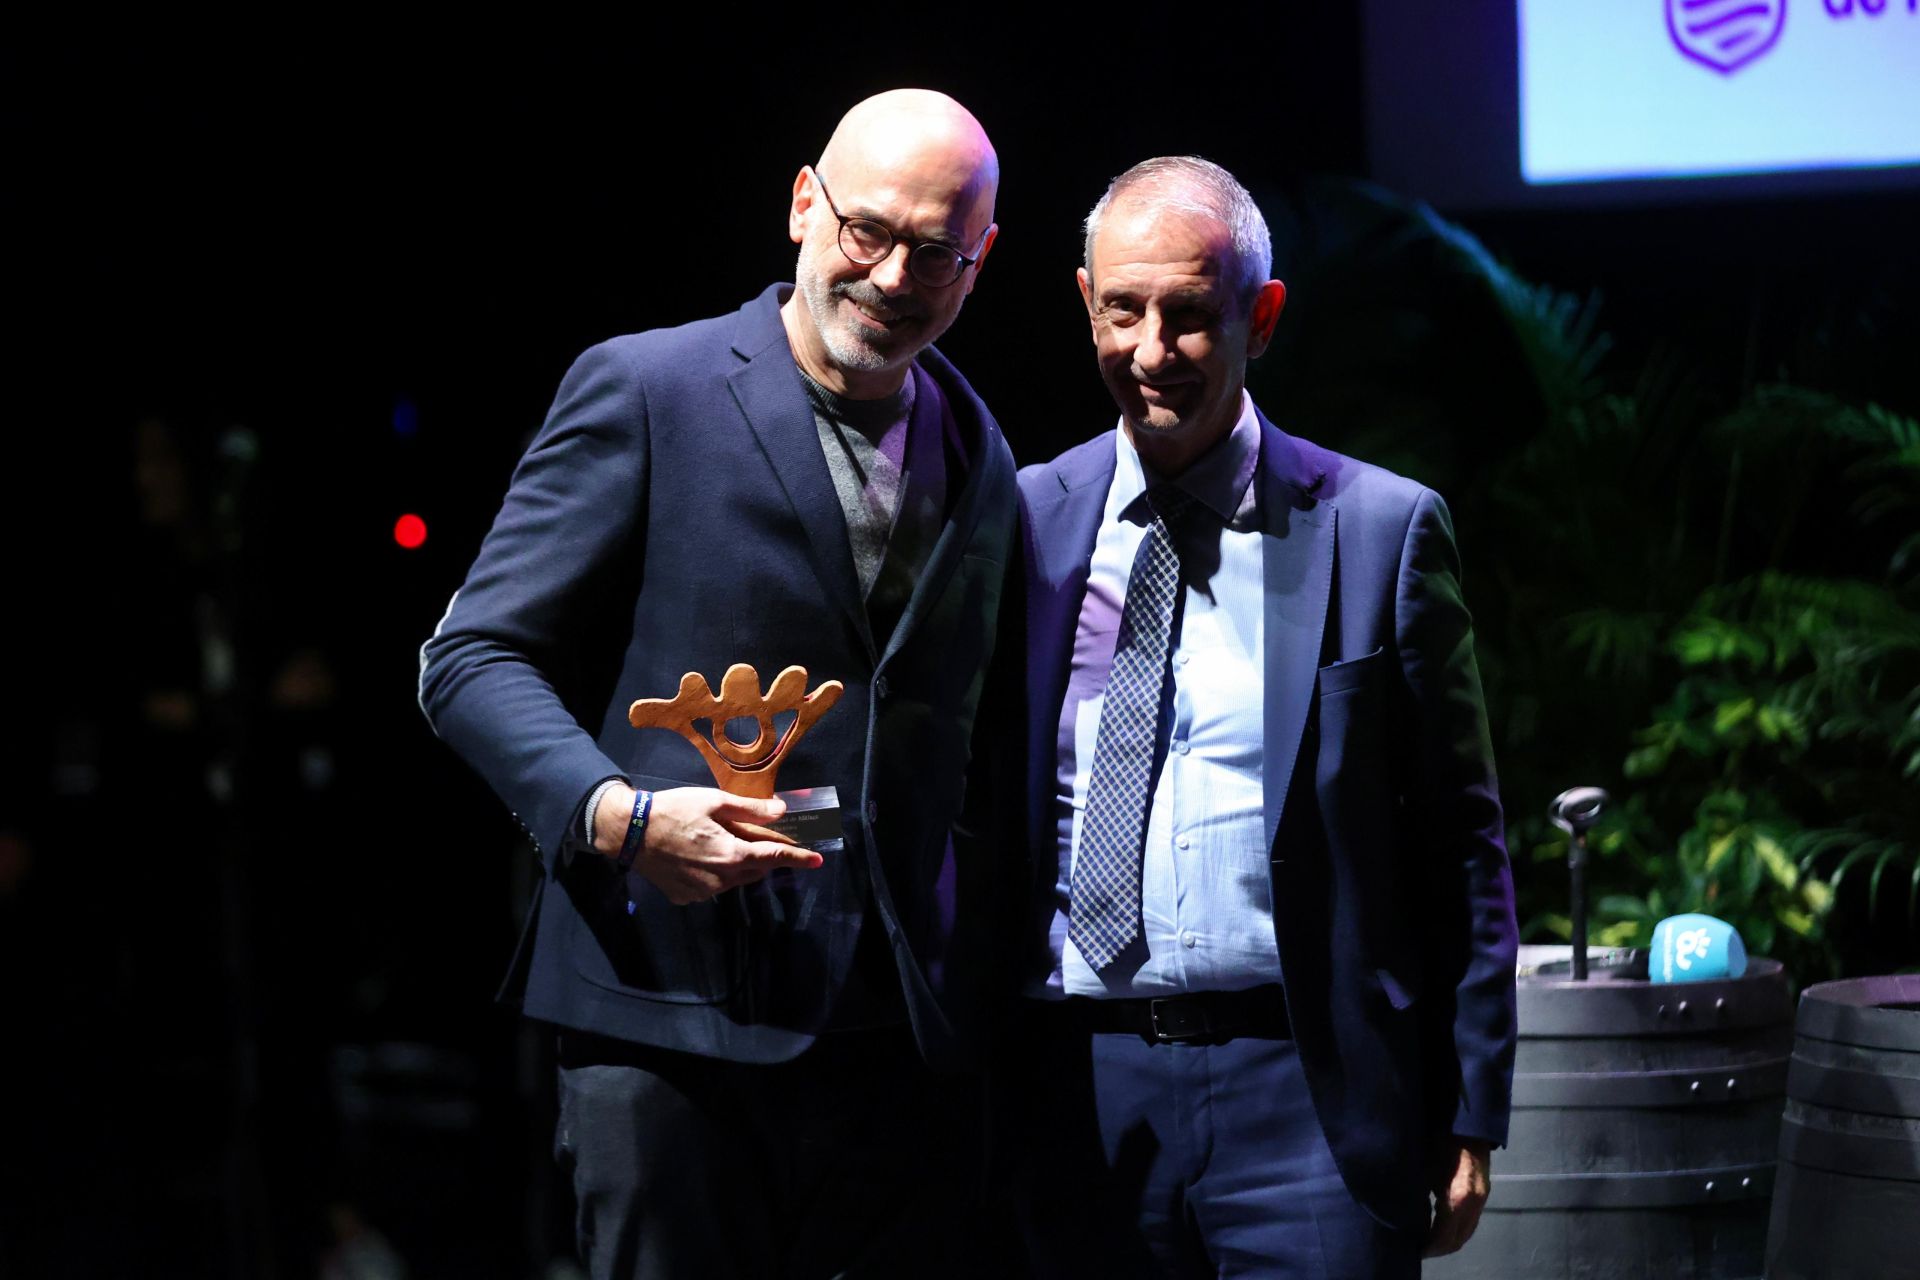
[
  {"x": 1034, "y": 478},
  {"x": 616, "y": 387},
  {"x": 1356, "y": 486},
  {"x": 1042, "y": 478},
  {"x": 656, "y": 350}
]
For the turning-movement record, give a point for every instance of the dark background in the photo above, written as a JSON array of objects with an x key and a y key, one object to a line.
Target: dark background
[{"x": 270, "y": 291}]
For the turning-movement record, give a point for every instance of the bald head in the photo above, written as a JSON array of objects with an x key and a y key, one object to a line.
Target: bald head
[
  {"x": 893, "y": 224},
  {"x": 914, "y": 130}
]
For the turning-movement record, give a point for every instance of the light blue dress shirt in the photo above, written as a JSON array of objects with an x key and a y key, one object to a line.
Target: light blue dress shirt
[{"x": 1206, "y": 896}]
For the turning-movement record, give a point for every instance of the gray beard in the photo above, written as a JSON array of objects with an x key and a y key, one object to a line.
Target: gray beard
[{"x": 853, "y": 352}]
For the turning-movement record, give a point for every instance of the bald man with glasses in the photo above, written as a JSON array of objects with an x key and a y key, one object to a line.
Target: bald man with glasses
[{"x": 751, "y": 1034}]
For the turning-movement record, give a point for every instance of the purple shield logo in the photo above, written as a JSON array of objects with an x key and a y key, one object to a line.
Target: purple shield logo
[{"x": 1725, "y": 34}]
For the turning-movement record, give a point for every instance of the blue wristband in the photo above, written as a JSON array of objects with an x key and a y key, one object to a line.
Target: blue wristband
[{"x": 636, "y": 831}]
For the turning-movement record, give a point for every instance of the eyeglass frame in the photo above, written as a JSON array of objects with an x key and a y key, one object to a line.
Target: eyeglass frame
[{"x": 894, "y": 239}]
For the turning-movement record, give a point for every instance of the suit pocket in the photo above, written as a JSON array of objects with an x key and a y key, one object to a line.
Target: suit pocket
[
  {"x": 634, "y": 942},
  {"x": 1355, "y": 673}
]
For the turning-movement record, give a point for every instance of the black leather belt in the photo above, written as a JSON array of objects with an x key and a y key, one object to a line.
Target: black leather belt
[{"x": 1258, "y": 1013}]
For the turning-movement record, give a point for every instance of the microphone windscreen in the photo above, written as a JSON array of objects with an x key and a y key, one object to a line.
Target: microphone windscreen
[{"x": 1695, "y": 948}]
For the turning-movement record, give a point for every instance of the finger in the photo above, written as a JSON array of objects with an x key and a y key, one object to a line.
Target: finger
[
  {"x": 754, "y": 831},
  {"x": 734, "y": 808},
  {"x": 1467, "y": 1214},
  {"x": 1440, "y": 1239},
  {"x": 767, "y": 855},
  {"x": 1467, "y": 1227},
  {"x": 1451, "y": 1229}
]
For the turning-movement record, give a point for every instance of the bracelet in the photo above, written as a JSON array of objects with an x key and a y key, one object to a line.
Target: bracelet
[{"x": 636, "y": 831}]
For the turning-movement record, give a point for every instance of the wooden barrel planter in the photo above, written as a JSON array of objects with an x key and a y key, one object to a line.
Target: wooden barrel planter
[
  {"x": 1645, "y": 1124},
  {"x": 1847, "y": 1200}
]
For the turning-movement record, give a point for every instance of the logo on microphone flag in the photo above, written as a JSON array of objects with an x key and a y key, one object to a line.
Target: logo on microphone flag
[
  {"x": 1725, "y": 34},
  {"x": 1695, "y": 948}
]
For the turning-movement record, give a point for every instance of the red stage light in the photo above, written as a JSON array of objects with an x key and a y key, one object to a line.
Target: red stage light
[{"x": 410, "y": 531}]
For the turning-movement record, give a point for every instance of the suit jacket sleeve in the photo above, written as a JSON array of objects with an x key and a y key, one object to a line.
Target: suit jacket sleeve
[
  {"x": 1454, "y": 824},
  {"x": 506, "y": 671}
]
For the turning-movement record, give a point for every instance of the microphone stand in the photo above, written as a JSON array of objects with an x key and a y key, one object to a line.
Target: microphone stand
[{"x": 1576, "y": 811}]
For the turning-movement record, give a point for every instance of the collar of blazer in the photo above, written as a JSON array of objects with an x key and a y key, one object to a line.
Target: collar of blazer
[
  {"x": 1297, "y": 575},
  {"x": 766, "y": 387}
]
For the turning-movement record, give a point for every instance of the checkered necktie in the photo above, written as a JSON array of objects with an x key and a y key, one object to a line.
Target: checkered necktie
[{"x": 1103, "y": 916}]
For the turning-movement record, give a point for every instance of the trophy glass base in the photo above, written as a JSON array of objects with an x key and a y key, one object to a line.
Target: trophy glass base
[{"x": 812, "y": 819}]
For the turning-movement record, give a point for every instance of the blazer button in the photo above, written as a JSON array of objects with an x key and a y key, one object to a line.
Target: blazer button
[
  {"x": 873, "y": 811},
  {"x": 879, "y": 686}
]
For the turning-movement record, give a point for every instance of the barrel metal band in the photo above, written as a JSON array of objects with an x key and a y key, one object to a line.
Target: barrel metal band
[
  {"x": 1863, "y": 1012},
  {"x": 1639, "y": 1009},
  {"x": 1892, "y": 1153},
  {"x": 1684, "y": 1087},
  {"x": 1851, "y": 1088},
  {"x": 1523, "y": 1191}
]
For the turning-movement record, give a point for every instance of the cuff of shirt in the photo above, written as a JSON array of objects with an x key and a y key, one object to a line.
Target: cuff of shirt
[{"x": 580, "y": 833}]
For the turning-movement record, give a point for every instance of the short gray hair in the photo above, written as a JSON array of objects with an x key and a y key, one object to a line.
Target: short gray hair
[{"x": 1189, "y": 184}]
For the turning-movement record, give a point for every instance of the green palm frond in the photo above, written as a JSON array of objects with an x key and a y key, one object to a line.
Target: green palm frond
[
  {"x": 1859, "y": 850},
  {"x": 1616, "y": 643},
  {"x": 1559, "y": 333}
]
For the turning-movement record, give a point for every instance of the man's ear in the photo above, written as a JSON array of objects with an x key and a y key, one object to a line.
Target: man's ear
[
  {"x": 993, "y": 233},
  {"x": 1086, "y": 290},
  {"x": 1267, "y": 305},
  {"x": 803, "y": 190}
]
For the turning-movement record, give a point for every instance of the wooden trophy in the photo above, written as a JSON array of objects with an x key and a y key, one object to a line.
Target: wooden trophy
[{"x": 749, "y": 768}]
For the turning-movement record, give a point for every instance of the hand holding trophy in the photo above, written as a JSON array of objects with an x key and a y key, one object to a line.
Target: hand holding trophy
[{"x": 699, "y": 841}]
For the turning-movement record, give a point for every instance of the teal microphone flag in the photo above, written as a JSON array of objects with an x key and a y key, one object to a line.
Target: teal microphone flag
[{"x": 1695, "y": 948}]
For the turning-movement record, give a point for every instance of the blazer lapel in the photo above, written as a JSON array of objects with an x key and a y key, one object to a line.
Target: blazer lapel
[
  {"x": 1063, "y": 521},
  {"x": 1297, "y": 565},
  {"x": 767, "y": 389},
  {"x": 978, "y": 471}
]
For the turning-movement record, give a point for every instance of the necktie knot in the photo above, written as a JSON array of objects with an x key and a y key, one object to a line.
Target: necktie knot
[{"x": 1169, "y": 502}]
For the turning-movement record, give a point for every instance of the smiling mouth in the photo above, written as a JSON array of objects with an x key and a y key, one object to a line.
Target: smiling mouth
[
  {"x": 876, "y": 315},
  {"x": 1156, "y": 391}
]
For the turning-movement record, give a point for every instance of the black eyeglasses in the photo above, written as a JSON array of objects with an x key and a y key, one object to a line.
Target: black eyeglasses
[{"x": 868, "y": 242}]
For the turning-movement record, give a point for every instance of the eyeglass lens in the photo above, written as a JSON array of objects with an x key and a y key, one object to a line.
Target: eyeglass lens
[{"x": 868, "y": 242}]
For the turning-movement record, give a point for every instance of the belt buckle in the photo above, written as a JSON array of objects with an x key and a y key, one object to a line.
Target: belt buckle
[{"x": 1175, "y": 1021}]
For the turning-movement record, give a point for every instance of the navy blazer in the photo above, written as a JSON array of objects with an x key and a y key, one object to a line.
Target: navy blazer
[
  {"x": 1393, "y": 902},
  {"x": 676, "y": 514}
]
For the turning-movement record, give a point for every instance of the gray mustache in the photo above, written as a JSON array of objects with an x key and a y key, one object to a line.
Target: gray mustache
[{"x": 867, "y": 294}]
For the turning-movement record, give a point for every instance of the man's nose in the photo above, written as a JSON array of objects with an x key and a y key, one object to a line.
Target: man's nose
[
  {"x": 890, "y": 274},
  {"x": 1155, "y": 350}
]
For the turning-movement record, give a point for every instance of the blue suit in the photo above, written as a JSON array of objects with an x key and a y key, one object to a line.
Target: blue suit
[
  {"x": 676, "y": 514},
  {"x": 1392, "y": 897}
]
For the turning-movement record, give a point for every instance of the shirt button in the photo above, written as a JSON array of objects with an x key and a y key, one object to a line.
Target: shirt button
[
  {"x": 1188, "y": 939},
  {"x": 1180, "y": 746},
  {"x": 1180, "y": 658},
  {"x": 1180, "y": 842}
]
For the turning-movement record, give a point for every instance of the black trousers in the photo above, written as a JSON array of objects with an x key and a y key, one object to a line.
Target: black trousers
[{"x": 853, "y": 1160}]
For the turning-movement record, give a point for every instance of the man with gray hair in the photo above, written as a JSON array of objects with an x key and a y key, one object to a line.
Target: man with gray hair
[{"x": 1271, "y": 977}]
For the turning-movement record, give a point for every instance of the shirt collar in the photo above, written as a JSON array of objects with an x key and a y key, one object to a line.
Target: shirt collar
[{"x": 1221, "y": 478}]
